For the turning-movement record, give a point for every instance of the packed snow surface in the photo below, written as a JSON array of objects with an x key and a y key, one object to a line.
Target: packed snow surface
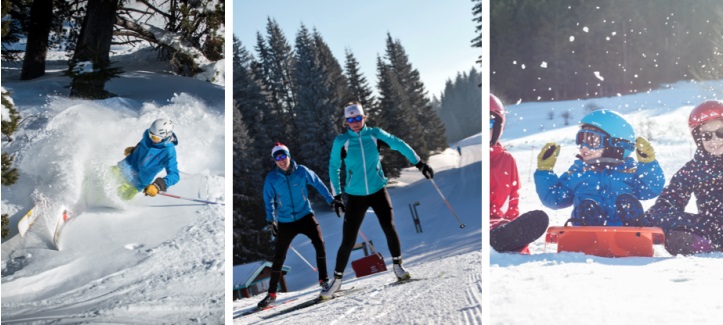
[{"x": 444, "y": 259}]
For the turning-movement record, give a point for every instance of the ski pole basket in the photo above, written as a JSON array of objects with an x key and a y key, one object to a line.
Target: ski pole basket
[{"x": 606, "y": 241}]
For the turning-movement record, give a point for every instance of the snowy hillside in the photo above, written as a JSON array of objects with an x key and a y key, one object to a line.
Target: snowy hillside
[
  {"x": 150, "y": 260},
  {"x": 565, "y": 288},
  {"x": 445, "y": 258}
]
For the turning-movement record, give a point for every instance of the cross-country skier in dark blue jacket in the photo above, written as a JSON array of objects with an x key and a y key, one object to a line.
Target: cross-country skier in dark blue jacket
[{"x": 289, "y": 213}]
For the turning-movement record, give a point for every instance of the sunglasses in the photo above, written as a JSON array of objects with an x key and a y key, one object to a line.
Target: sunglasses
[
  {"x": 708, "y": 135},
  {"x": 597, "y": 140},
  {"x": 280, "y": 157},
  {"x": 492, "y": 124},
  {"x": 357, "y": 118}
]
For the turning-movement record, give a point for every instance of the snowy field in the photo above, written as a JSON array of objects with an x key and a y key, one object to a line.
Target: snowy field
[
  {"x": 447, "y": 260},
  {"x": 147, "y": 261},
  {"x": 573, "y": 288}
]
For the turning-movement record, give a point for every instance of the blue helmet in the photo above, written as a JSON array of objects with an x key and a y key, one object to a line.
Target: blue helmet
[{"x": 615, "y": 125}]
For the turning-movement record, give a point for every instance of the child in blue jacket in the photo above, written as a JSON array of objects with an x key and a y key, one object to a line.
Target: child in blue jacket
[
  {"x": 604, "y": 185},
  {"x": 155, "y": 152},
  {"x": 701, "y": 232}
]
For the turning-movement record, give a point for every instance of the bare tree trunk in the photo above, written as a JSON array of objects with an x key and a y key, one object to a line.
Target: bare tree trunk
[
  {"x": 41, "y": 14},
  {"x": 94, "y": 46}
]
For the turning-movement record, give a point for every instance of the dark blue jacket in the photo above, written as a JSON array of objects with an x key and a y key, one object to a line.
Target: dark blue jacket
[
  {"x": 286, "y": 193},
  {"x": 602, "y": 184},
  {"x": 148, "y": 159}
]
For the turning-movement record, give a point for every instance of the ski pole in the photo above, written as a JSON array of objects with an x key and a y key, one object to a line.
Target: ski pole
[
  {"x": 307, "y": 262},
  {"x": 189, "y": 199},
  {"x": 461, "y": 225}
]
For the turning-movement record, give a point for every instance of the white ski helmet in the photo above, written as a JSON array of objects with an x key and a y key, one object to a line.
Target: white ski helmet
[{"x": 161, "y": 128}]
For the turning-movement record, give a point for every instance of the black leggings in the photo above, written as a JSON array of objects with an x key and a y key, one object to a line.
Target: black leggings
[
  {"x": 287, "y": 231},
  {"x": 356, "y": 208}
]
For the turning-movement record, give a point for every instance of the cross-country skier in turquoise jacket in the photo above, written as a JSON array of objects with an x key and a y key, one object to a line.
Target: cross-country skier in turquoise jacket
[{"x": 365, "y": 187}]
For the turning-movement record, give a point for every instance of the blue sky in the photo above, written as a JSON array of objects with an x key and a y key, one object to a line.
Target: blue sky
[{"x": 436, "y": 34}]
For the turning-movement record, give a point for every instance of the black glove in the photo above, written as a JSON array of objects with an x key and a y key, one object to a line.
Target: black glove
[
  {"x": 425, "y": 169},
  {"x": 274, "y": 228},
  {"x": 161, "y": 184},
  {"x": 338, "y": 205}
]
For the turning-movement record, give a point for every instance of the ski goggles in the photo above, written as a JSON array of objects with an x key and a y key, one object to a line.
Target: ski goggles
[
  {"x": 597, "y": 140},
  {"x": 357, "y": 118},
  {"x": 280, "y": 157},
  {"x": 154, "y": 138},
  {"x": 708, "y": 135}
]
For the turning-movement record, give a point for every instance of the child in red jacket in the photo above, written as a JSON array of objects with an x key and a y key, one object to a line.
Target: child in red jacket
[{"x": 509, "y": 231}]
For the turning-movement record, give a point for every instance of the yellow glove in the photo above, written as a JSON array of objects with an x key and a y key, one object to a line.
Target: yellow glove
[
  {"x": 548, "y": 156},
  {"x": 151, "y": 190},
  {"x": 644, "y": 150},
  {"x": 128, "y": 151}
]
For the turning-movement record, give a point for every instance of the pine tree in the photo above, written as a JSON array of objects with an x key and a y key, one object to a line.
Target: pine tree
[
  {"x": 318, "y": 100},
  {"x": 251, "y": 241},
  {"x": 276, "y": 73},
  {"x": 358, "y": 86},
  {"x": 9, "y": 125}
]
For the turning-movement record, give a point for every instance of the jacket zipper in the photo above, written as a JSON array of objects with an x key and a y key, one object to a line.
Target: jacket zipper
[
  {"x": 291, "y": 197},
  {"x": 364, "y": 163}
]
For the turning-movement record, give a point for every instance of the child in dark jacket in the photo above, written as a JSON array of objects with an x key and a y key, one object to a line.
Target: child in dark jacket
[
  {"x": 689, "y": 233},
  {"x": 604, "y": 185},
  {"x": 509, "y": 231}
]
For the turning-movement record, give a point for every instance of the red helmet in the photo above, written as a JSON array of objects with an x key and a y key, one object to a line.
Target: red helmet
[
  {"x": 497, "y": 108},
  {"x": 707, "y": 111}
]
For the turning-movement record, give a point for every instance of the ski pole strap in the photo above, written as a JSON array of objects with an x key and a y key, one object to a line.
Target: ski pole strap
[
  {"x": 461, "y": 225},
  {"x": 189, "y": 199},
  {"x": 368, "y": 242},
  {"x": 307, "y": 262}
]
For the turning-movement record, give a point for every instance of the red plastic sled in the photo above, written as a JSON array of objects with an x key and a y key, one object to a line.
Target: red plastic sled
[{"x": 606, "y": 241}]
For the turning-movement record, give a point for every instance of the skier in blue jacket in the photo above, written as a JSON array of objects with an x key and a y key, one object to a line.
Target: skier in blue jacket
[
  {"x": 289, "y": 213},
  {"x": 155, "y": 152},
  {"x": 604, "y": 185},
  {"x": 365, "y": 187}
]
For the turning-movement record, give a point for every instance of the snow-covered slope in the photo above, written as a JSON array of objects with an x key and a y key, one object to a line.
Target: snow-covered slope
[
  {"x": 150, "y": 260},
  {"x": 550, "y": 288},
  {"x": 445, "y": 258}
]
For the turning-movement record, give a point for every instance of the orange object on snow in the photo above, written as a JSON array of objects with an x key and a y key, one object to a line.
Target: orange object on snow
[{"x": 606, "y": 241}]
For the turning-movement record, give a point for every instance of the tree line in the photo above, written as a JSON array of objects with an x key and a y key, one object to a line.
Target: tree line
[
  {"x": 187, "y": 34},
  {"x": 295, "y": 95},
  {"x": 567, "y": 49}
]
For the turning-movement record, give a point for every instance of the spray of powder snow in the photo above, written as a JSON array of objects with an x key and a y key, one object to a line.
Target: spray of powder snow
[{"x": 69, "y": 158}]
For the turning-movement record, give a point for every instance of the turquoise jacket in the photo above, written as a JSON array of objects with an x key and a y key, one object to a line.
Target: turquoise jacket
[
  {"x": 364, "y": 175},
  {"x": 286, "y": 196}
]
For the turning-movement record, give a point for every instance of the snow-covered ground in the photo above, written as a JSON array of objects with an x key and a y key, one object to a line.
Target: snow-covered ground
[
  {"x": 572, "y": 288},
  {"x": 445, "y": 258},
  {"x": 147, "y": 261}
]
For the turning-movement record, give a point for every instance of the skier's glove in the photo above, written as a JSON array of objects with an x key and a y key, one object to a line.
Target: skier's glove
[
  {"x": 158, "y": 185},
  {"x": 129, "y": 150},
  {"x": 548, "y": 156},
  {"x": 151, "y": 190},
  {"x": 274, "y": 228},
  {"x": 338, "y": 205},
  {"x": 425, "y": 169},
  {"x": 644, "y": 150}
]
